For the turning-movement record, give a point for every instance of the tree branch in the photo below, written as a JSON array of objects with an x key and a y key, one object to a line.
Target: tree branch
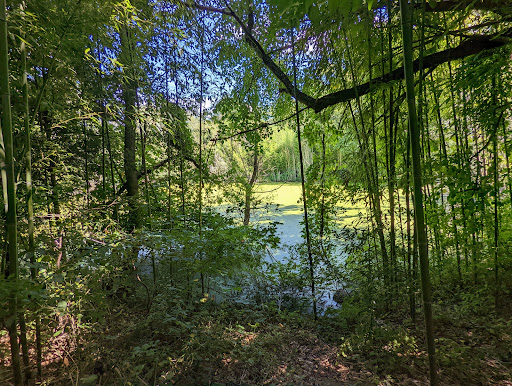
[
  {"x": 471, "y": 46},
  {"x": 256, "y": 128},
  {"x": 157, "y": 166},
  {"x": 193, "y": 4},
  {"x": 271, "y": 65}
]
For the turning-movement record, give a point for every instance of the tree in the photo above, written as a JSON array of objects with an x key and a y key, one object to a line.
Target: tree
[
  {"x": 419, "y": 222},
  {"x": 11, "y": 221},
  {"x": 200, "y": 97},
  {"x": 129, "y": 95}
]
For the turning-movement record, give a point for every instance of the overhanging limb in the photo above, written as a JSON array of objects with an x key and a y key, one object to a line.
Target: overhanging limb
[{"x": 468, "y": 47}]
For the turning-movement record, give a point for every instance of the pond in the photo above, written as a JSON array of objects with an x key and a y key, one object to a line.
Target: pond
[
  {"x": 286, "y": 198},
  {"x": 281, "y": 203}
]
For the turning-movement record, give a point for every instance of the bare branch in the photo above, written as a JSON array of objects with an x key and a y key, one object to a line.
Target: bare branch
[
  {"x": 157, "y": 166},
  {"x": 259, "y": 127},
  {"x": 193, "y": 4}
]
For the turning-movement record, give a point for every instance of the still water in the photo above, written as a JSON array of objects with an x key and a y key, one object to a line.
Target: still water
[
  {"x": 287, "y": 209},
  {"x": 280, "y": 203}
]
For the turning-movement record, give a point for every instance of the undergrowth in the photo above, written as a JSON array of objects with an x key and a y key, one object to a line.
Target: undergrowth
[
  {"x": 114, "y": 322},
  {"x": 184, "y": 340}
]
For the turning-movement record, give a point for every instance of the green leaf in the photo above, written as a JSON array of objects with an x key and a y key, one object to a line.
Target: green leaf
[
  {"x": 334, "y": 5},
  {"x": 90, "y": 380},
  {"x": 432, "y": 3},
  {"x": 62, "y": 306},
  {"x": 57, "y": 333},
  {"x": 314, "y": 15},
  {"x": 58, "y": 279}
]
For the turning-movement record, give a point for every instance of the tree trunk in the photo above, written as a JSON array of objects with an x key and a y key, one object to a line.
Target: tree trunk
[
  {"x": 322, "y": 202},
  {"x": 411, "y": 251},
  {"x": 129, "y": 99},
  {"x": 405, "y": 14},
  {"x": 507, "y": 161},
  {"x": 86, "y": 158},
  {"x": 143, "y": 137},
  {"x": 55, "y": 222},
  {"x": 30, "y": 214},
  {"x": 104, "y": 123},
  {"x": 11, "y": 221},
  {"x": 369, "y": 164},
  {"x": 249, "y": 188},
  {"x": 304, "y": 198},
  {"x": 496, "y": 193}
]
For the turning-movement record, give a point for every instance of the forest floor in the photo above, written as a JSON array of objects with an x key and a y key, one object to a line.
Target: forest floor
[{"x": 212, "y": 344}]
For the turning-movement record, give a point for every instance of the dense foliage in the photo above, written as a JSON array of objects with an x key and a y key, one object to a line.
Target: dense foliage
[{"x": 138, "y": 248}]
